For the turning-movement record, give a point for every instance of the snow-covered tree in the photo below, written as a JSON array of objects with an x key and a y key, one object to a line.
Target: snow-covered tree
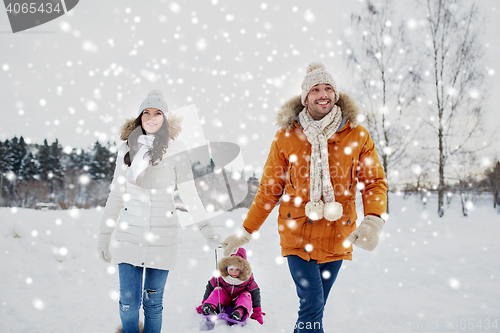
[
  {"x": 386, "y": 75},
  {"x": 3, "y": 155},
  {"x": 28, "y": 168},
  {"x": 13, "y": 152},
  {"x": 454, "y": 50},
  {"x": 102, "y": 165},
  {"x": 465, "y": 171},
  {"x": 77, "y": 162},
  {"x": 49, "y": 163}
]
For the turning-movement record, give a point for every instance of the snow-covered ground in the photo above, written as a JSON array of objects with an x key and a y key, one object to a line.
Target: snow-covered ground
[{"x": 427, "y": 275}]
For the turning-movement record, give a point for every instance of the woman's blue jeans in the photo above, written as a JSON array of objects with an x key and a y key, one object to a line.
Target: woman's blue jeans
[
  {"x": 313, "y": 282},
  {"x": 132, "y": 293}
]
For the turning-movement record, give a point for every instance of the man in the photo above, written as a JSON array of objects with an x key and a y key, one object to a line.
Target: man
[{"x": 318, "y": 158}]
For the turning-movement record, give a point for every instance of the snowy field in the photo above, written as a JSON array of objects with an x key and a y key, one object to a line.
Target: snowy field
[{"x": 427, "y": 275}]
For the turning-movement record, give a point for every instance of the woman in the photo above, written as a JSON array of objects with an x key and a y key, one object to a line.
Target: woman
[{"x": 141, "y": 210}]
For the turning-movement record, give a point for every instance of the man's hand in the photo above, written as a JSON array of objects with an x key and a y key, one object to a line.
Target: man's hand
[
  {"x": 366, "y": 236},
  {"x": 232, "y": 243}
]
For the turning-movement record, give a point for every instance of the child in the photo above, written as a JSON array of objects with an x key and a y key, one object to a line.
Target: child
[{"x": 235, "y": 287}]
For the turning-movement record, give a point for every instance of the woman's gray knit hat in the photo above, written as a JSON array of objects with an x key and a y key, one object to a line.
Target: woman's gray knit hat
[{"x": 154, "y": 100}]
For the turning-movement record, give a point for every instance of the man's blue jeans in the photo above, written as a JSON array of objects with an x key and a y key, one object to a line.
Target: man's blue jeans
[
  {"x": 132, "y": 293},
  {"x": 313, "y": 282}
]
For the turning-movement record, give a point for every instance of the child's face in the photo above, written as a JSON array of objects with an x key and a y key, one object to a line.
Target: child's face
[{"x": 234, "y": 272}]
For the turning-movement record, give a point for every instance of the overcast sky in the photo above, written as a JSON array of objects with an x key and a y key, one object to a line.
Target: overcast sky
[{"x": 78, "y": 77}]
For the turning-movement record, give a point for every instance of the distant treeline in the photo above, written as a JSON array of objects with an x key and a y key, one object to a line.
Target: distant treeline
[{"x": 34, "y": 173}]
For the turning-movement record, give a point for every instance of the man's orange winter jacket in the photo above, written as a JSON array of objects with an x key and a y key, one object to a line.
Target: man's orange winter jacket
[{"x": 353, "y": 163}]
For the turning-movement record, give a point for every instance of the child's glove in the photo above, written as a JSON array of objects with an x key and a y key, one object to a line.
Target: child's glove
[
  {"x": 257, "y": 314},
  {"x": 198, "y": 308},
  {"x": 232, "y": 243},
  {"x": 367, "y": 234},
  {"x": 209, "y": 233},
  {"x": 103, "y": 247}
]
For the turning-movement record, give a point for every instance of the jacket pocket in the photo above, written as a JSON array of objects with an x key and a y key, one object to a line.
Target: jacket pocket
[
  {"x": 292, "y": 224},
  {"x": 343, "y": 228},
  {"x": 132, "y": 210},
  {"x": 131, "y": 216},
  {"x": 128, "y": 237}
]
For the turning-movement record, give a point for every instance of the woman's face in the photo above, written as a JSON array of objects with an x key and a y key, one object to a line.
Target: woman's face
[{"x": 151, "y": 119}]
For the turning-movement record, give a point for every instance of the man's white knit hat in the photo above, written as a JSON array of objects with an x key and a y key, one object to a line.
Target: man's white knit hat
[
  {"x": 316, "y": 74},
  {"x": 154, "y": 100}
]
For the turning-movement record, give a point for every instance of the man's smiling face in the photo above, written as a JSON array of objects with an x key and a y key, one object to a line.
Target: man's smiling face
[{"x": 320, "y": 100}]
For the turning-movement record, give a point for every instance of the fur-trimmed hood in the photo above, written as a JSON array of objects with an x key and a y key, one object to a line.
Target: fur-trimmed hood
[
  {"x": 173, "y": 121},
  {"x": 239, "y": 259},
  {"x": 287, "y": 116}
]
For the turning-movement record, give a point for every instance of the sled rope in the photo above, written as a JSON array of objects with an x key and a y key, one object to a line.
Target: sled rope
[{"x": 218, "y": 287}]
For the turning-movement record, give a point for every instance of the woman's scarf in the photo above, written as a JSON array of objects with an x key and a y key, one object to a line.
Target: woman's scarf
[{"x": 141, "y": 161}]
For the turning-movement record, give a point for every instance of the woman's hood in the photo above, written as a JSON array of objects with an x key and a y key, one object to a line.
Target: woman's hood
[{"x": 173, "y": 121}]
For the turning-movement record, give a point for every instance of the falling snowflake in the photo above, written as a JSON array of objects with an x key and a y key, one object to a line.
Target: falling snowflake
[
  {"x": 454, "y": 283},
  {"x": 38, "y": 304},
  {"x": 309, "y": 16}
]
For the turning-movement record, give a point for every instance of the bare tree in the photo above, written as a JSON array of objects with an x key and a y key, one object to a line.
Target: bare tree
[
  {"x": 389, "y": 84},
  {"x": 493, "y": 184},
  {"x": 455, "y": 53},
  {"x": 466, "y": 171}
]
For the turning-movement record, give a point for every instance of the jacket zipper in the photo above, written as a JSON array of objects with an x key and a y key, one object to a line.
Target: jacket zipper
[
  {"x": 352, "y": 169},
  {"x": 291, "y": 174}
]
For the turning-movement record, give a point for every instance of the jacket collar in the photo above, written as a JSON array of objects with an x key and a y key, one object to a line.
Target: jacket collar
[
  {"x": 288, "y": 113},
  {"x": 174, "y": 127}
]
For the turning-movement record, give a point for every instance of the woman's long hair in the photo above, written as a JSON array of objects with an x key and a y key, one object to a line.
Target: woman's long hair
[{"x": 160, "y": 143}]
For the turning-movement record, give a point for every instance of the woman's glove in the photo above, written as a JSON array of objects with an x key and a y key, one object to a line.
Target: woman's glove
[
  {"x": 367, "y": 234},
  {"x": 209, "y": 233},
  {"x": 232, "y": 243},
  {"x": 103, "y": 247},
  {"x": 258, "y": 315}
]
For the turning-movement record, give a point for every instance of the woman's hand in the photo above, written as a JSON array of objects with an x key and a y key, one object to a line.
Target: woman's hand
[
  {"x": 209, "y": 233},
  {"x": 103, "y": 247}
]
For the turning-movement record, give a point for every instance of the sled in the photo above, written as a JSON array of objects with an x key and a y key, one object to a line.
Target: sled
[{"x": 208, "y": 322}]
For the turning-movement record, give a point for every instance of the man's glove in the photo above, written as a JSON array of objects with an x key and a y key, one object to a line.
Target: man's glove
[
  {"x": 367, "y": 234},
  {"x": 209, "y": 233},
  {"x": 103, "y": 247},
  {"x": 257, "y": 314},
  {"x": 232, "y": 243}
]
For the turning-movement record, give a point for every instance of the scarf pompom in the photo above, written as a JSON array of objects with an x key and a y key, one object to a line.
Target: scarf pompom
[
  {"x": 314, "y": 210},
  {"x": 333, "y": 211}
]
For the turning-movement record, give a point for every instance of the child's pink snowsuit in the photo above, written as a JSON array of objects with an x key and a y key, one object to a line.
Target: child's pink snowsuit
[{"x": 242, "y": 291}]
